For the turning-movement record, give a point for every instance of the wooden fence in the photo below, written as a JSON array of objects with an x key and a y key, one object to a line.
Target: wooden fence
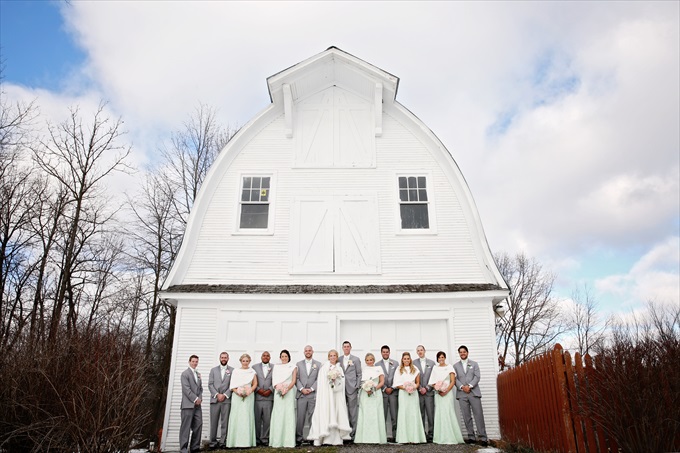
[{"x": 544, "y": 404}]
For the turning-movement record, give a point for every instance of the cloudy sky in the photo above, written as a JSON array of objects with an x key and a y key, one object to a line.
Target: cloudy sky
[{"x": 563, "y": 116}]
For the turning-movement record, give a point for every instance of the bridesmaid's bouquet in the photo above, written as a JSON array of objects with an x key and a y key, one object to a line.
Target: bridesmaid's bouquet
[
  {"x": 280, "y": 387},
  {"x": 368, "y": 387},
  {"x": 410, "y": 387},
  {"x": 333, "y": 376},
  {"x": 241, "y": 391},
  {"x": 439, "y": 386}
]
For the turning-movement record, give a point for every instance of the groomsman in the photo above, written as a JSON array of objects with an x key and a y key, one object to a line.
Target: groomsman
[
  {"x": 469, "y": 396},
  {"x": 220, "y": 400},
  {"x": 351, "y": 364},
  {"x": 390, "y": 395},
  {"x": 191, "y": 420},
  {"x": 425, "y": 367},
  {"x": 307, "y": 374},
  {"x": 264, "y": 399}
]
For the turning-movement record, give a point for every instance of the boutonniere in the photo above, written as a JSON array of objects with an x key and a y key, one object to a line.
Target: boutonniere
[
  {"x": 469, "y": 366},
  {"x": 427, "y": 366},
  {"x": 349, "y": 362},
  {"x": 227, "y": 372},
  {"x": 314, "y": 366},
  {"x": 198, "y": 375}
]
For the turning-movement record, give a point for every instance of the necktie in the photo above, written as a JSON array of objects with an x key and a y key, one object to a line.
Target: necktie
[
  {"x": 265, "y": 370},
  {"x": 195, "y": 376},
  {"x": 309, "y": 367}
]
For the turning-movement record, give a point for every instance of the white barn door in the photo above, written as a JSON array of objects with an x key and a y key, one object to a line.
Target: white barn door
[{"x": 399, "y": 335}]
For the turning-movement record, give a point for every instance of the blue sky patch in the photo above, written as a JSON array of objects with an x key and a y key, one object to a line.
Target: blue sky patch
[{"x": 36, "y": 50}]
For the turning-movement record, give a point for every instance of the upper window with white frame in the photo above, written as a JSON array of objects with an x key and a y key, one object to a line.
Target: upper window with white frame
[
  {"x": 255, "y": 201},
  {"x": 414, "y": 203}
]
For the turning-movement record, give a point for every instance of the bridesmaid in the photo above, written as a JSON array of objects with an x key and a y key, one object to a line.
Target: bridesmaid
[
  {"x": 409, "y": 422},
  {"x": 446, "y": 427},
  {"x": 241, "y": 432},
  {"x": 282, "y": 427},
  {"x": 371, "y": 418}
]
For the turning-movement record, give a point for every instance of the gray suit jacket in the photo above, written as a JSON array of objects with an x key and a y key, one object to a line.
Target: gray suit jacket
[
  {"x": 472, "y": 378},
  {"x": 307, "y": 381},
  {"x": 218, "y": 385},
  {"x": 389, "y": 373},
  {"x": 424, "y": 374},
  {"x": 190, "y": 388},
  {"x": 264, "y": 383},
  {"x": 352, "y": 373}
]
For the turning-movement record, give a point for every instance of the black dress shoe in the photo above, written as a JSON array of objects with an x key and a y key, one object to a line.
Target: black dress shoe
[
  {"x": 483, "y": 443},
  {"x": 469, "y": 441}
]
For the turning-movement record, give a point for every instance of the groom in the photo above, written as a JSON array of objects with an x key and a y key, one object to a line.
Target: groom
[
  {"x": 351, "y": 364},
  {"x": 469, "y": 396},
  {"x": 307, "y": 374}
]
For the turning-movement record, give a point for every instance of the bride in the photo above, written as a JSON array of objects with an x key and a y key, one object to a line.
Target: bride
[{"x": 330, "y": 424}]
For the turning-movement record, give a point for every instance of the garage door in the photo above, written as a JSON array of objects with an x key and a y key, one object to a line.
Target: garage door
[{"x": 400, "y": 336}]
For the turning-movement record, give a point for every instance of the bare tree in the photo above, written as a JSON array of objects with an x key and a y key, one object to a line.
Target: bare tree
[
  {"x": 533, "y": 320},
  {"x": 585, "y": 322},
  {"x": 190, "y": 155},
  {"x": 77, "y": 157}
]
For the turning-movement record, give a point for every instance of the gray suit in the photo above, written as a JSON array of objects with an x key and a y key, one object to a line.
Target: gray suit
[
  {"x": 263, "y": 404},
  {"x": 352, "y": 384},
  {"x": 192, "y": 415},
  {"x": 390, "y": 402},
  {"x": 470, "y": 402},
  {"x": 219, "y": 411},
  {"x": 426, "y": 400},
  {"x": 305, "y": 403}
]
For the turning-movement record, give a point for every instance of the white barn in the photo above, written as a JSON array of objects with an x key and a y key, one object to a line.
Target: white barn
[{"x": 334, "y": 214}]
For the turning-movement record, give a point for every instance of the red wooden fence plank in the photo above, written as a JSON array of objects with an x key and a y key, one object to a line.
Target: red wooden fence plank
[{"x": 579, "y": 440}]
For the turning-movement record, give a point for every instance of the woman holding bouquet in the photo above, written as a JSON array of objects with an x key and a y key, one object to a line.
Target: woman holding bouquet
[
  {"x": 371, "y": 418},
  {"x": 409, "y": 422},
  {"x": 241, "y": 432},
  {"x": 446, "y": 427},
  {"x": 330, "y": 424},
  {"x": 282, "y": 427}
]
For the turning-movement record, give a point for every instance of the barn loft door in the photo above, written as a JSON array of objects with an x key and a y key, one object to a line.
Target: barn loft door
[
  {"x": 335, "y": 129},
  {"x": 335, "y": 234}
]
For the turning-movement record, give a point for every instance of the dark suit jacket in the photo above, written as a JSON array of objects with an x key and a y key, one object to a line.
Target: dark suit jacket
[{"x": 190, "y": 388}]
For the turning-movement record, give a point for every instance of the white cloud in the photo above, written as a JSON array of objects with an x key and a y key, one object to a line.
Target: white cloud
[{"x": 654, "y": 277}]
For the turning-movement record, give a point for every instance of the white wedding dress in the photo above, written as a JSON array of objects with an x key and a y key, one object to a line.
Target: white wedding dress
[{"x": 330, "y": 423}]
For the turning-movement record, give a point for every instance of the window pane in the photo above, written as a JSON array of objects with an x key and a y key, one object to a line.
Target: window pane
[
  {"x": 256, "y": 182},
  {"x": 412, "y": 195},
  {"x": 412, "y": 182},
  {"x": 402, "y": 182},
  {"x": 422, "y": 194},
  {"x": 254, "y": 194},
  {"x": 403, "y": 194},
  {"x": 254, "y": 215},
  {"x": 247, "y": 181},
  {"x": 414, "y": 216},
  {"x": 265, "y": 183},
  {"x": 245, "y": 195},
  {"x": 421, "y": 182}
]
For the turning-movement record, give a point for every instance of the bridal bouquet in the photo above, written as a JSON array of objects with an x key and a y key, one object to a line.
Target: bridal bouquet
[
  {"x": 410, "y": 387},
  {"x": 333, "y": 376},
  {"x": 368, "y": 387},
  {"x": 280, "y": 387},
  {"x": 439, "y": 386}
]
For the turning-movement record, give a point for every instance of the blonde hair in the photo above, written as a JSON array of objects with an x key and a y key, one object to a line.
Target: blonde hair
[
  {"x": 412, "y": 369},
  {"x": 369, "y": 354},
  {"x": 329, "y": 353},
  {"x": 244, "y": 355}
]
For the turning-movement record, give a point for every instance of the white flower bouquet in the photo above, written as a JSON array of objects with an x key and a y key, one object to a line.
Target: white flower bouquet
[{"x": 368, "y": 386}]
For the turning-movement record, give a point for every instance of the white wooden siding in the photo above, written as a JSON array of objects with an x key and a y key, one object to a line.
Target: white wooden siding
[{"x": 220, "y": 257}]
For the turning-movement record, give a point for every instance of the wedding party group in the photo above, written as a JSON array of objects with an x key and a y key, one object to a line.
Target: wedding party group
[{"x": 340, "y": 401}]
